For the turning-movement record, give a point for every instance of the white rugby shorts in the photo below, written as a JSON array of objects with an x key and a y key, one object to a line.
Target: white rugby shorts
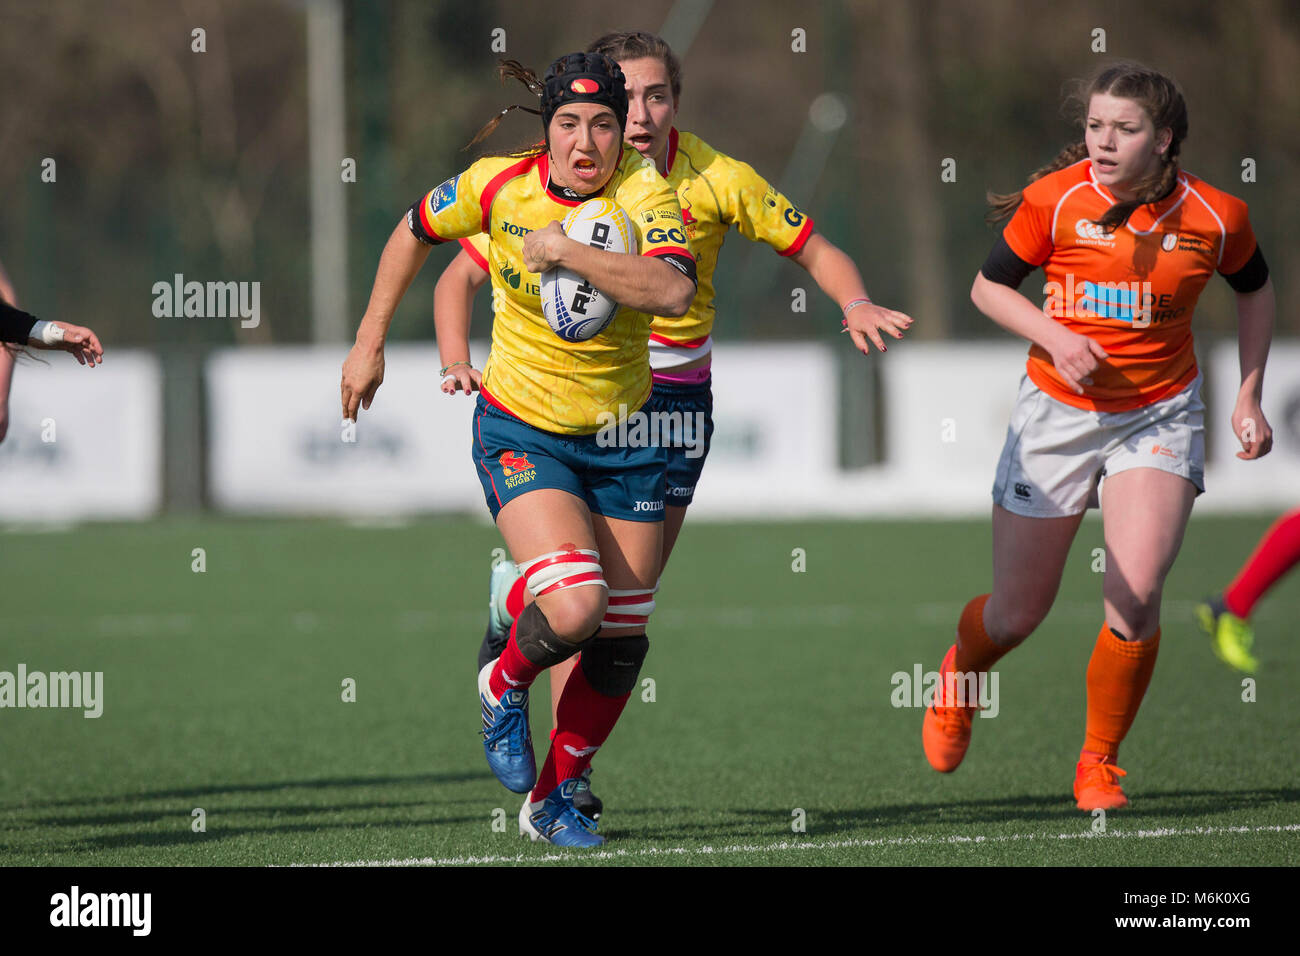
[{"x": 1056, "y": 455}]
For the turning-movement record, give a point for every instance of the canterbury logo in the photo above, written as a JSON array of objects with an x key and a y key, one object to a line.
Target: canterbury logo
[
  {"x": 580, "y": 753},
  {"x": 1090, "y": 230}
]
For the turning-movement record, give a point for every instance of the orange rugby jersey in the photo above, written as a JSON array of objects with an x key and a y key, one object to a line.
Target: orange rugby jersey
[
  {"x": 1132, "y": 291},
  {"x": 532, "y": 373},
  {"x": 715, "y": 192}
]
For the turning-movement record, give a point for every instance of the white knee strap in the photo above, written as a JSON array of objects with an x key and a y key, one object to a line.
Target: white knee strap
[
  {"x": 629, "y": 608},
  {"x": 558, "y": 570}
]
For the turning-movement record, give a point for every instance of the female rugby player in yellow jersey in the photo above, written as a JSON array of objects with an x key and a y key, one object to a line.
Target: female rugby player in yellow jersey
[
  {"x": 1127, "y": 240},
  {"x": 573, "y": 513},
  {"x": 716, "y": 192}
]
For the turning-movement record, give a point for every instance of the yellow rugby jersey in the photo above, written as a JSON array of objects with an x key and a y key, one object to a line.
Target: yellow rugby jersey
[
  {"x": 715, "y": 193},
  {"x": 532, "y": 373}
]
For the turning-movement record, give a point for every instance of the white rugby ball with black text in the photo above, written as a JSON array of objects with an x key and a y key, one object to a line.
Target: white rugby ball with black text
[{"x": 575, "y": 309}]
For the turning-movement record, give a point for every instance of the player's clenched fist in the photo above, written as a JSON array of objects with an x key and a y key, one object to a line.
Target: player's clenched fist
[
  {"x": 1251, "y": 428},
  {"x": 1076, "y": 357},
  {"x": 542, "y": 248}
]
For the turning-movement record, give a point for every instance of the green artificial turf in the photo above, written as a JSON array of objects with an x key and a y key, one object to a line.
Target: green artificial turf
[{"x": 772, "y": 694}]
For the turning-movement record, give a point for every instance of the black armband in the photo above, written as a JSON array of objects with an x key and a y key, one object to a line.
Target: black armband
[
  {"x": 1250, "y": 277},
  {"x": 683, "y": 264},
  {"x": 417, "y": 228},
  {"x": 1005, "y": 267},
  {"x": 15, "y": 324}
]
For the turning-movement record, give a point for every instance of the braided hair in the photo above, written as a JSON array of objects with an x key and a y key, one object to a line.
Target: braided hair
[
  {"x": 1161, "y": 99},
  {"x": 574, "y": 78}
]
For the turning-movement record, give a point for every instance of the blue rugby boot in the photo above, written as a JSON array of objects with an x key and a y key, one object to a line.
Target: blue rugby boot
[
  {"x": 584, "y": 801},
  {"x": 555, "y": 821},
  {"x": 507, "y": 741}
]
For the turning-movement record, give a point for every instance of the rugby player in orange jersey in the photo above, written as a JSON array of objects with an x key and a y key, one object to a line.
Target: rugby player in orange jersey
[
  {"x": 1127, "y": 241},
  {"x": 716, "y": 192}
]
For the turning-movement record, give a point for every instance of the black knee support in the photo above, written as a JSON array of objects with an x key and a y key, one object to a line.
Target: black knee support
[
  {"x": 538, "y": 643},
  {"x": 612, "y": 664}
]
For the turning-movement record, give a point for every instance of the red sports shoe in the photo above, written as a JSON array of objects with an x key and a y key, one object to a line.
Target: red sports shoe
[
  {"x": 1096, "y": 783},
  {"x": 945, "y": 732}
]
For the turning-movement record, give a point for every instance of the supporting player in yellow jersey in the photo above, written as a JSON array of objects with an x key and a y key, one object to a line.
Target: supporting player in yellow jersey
[{"x": 716, "y": 193}]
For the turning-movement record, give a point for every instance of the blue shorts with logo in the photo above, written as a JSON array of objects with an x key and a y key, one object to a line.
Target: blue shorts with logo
[
  {"x": 513, "y": 458},
  {"x": 688, "y": 447}
]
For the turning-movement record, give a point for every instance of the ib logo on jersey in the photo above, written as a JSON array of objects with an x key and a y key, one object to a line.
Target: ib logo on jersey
[{"x": 1169, "y": 241}]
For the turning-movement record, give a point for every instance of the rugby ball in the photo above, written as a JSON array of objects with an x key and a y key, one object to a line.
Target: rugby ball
[{"x": 574, "y": 309}]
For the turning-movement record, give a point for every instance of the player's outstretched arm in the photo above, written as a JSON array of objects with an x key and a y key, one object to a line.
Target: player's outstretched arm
[
  {"x": 1076, "y": 356},
  {"x": 837, "y": 275},
  {"x": 453, "y": 303},
  {"x": 1256, "y": 312},
  {"x": 363, "y": 369},
  {"x": 636, "y": 282}
]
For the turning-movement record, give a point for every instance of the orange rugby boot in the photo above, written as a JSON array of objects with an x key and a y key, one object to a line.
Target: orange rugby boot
[
  {"x": 945, "y": 732},
  {"x": 1096, "y": 783}
]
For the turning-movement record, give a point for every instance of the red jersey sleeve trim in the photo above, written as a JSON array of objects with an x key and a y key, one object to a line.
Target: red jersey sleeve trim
[
  {"x": 672, "y": 149},
  {"x": 424, "y": 221},
  {"x": 474, "y": 254},
  {"x": 800, "y": 240},
  {"x": 494, "y": 186},
  {"x": 669, "y": 250},
  {"x": 688, "y": 344}
]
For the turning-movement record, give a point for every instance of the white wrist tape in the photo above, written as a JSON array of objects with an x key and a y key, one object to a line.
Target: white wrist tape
[{"x": 47, "y": 332}]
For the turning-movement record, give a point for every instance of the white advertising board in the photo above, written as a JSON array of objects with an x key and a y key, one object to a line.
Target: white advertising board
[
  {"x": 83, "y": 442},
  {"x": 276, "y": 441}
]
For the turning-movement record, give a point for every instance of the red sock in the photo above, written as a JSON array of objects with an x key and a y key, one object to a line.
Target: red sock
[
  {"x": 1275, "y": 555},
  {"x": 513, "y": 669},
  {"x": 583, "y": 722},
  {"x": 515, "y": 598}
]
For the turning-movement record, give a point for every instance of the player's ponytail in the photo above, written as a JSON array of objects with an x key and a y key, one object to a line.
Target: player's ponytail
[
  {"x": 1161, "y": 99},
  {"x": 1003, "y": 205},
  {"x": 512, "y": 70}
]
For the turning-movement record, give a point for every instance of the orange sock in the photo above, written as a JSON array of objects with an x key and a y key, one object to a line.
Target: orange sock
[
  {"x": 976, "y": 653},
  {"x": 1118, "y": 675}
]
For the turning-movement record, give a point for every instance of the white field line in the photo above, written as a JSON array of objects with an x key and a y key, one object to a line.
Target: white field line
[{"x": 786, "y": 845}]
